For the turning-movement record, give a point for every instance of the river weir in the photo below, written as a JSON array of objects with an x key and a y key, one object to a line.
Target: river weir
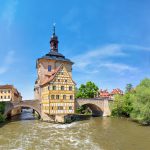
[{"x": 24, "y": 132}]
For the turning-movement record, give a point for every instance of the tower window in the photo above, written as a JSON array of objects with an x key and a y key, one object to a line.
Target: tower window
[{"x": 49, "y": 68}]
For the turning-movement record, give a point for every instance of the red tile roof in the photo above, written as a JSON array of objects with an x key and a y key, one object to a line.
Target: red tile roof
[
  {"x": 7, "y": 86},
  {"x": 104, "y": 93},
  {"x": 50, "y": 76},
  {"x": 116, "y": 91}
]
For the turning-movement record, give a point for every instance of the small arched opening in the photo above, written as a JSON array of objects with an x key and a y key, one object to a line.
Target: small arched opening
[
  {"x": 23, "y": 113},
  {"x": 94, "y": 109}
]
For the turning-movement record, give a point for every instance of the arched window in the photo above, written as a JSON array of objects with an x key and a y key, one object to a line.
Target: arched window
[{"x": 64, "y": 96}]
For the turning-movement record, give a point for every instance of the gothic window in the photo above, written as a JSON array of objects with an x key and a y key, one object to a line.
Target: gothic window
[{"x": 49, "y": 68}]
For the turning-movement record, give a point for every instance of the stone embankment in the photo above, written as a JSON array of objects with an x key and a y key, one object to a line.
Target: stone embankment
[{"x": 66, "y": 118}]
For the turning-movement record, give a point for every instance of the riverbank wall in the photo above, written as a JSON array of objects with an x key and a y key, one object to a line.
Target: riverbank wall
[{"x": 62, "y": 119}]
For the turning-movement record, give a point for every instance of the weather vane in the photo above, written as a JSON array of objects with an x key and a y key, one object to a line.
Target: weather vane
[{"x": 54, "y": 24}]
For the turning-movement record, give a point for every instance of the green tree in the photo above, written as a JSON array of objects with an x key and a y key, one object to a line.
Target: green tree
[
  {"x": 129, "y": 87},
  {"x": 122, "y": 105},
  {"x": 89, "y": 90},
  {"x": 141, "y": 103},
  {"x": 2, "y": 109}
]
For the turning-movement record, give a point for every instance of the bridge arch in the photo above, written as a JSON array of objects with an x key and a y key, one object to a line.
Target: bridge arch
[
  {"x": 28, "y": 104},
  {"x": 96, "y": 110},
  {"x": 99, "y": 106},
  {"x": 18, "y": 106}
]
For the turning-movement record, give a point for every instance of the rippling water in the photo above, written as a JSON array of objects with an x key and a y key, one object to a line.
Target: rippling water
[{"x": 93, "y": 134}]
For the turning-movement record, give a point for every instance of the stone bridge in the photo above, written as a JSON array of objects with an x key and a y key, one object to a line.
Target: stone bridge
[
  {"x": 34, "y": 104},
  {"x": 99, "y": 106}
]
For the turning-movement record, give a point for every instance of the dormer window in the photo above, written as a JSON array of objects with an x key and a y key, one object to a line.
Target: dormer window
[{"x": 49, "y": 68}]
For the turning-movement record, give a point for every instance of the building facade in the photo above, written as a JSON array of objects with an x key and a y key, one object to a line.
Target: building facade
[
  {"x": 10, "y": 93},
  {"x": 54, "y": 86}
]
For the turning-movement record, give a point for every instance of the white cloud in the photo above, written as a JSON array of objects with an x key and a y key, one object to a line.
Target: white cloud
[
  {"x": 8, "y": 60},
  {"x": 96, "y": 59},
  {"x": 118, "y": 67},
  {"x": 137, "y": 47},
  {"x": 92, "y": 56}
]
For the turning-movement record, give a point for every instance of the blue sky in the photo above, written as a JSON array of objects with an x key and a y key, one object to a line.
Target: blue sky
[{"x": 109, "y": 40}]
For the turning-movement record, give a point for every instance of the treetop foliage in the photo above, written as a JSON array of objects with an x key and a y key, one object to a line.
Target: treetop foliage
[
  {"x": 88, "y": 90},
  {"x": 135, "y": 104}
]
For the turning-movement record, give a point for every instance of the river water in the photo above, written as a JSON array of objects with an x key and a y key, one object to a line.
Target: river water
[{"x": 94, "y": 134}]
